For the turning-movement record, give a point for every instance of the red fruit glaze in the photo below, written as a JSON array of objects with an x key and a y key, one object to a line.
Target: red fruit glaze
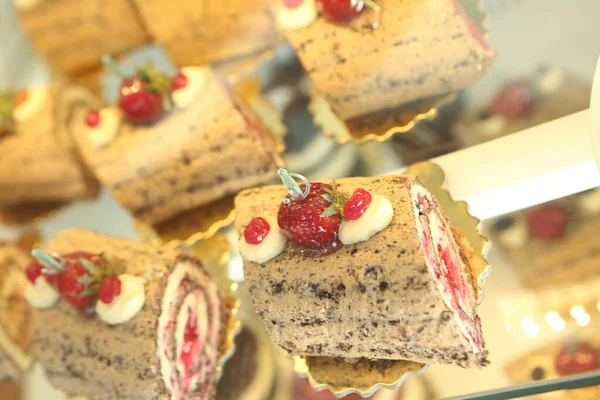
[
  {"x": 140, "y": 105},
  {"x": 357, "y": 204},
  {"x": 292, "y": 3},
  {"x": 576, "y": 359},
  {"x": 179, "y": 81},
  {"x": 341, "y": 9},
  {"x": 33, "y": 271},
  {"x": 302, "y": 220},
  {"x": 92, "y": 119},
  {"x": 110, "y": 287},
  {"x": 256, "y": 231},
  {"x": 516, "y": 99},
  {"x": 548, "y": 222},
  {"x": 191, "y": 341}
]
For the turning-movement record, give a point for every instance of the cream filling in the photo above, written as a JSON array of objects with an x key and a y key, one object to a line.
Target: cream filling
[
  {"x": 187, "y": 95},
  {"x": 36, "y": 100},
  {"x": 298, "y": 17},
  {"x": 169, "y": 316},
  {"x": 515, "y": 236},
  {"x": 101, "y": 135},
  {"x": 41, "y": 295},
  {"x": 127, "y": 304},
  {"x": 589, "y": 203},
  {"x": 491, "y": 126},
  {"x": 271, "y": 246},
  {"x": 14, "y": 352},
  {"x": 376, "y": 218},
  {"x": 439, "y": 235}
]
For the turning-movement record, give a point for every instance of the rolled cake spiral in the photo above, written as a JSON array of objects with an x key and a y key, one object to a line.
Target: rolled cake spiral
[{"x": 171, "y": 349}]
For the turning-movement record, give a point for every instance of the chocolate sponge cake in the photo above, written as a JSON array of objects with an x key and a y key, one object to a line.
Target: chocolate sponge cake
[
  {"x": 173, "y": 343},
  {"x": 211, "y": 146},
  {"x": 404, "y": 291},
  {"x": 15, "y": 315},
  {"x": 39, "y": 162}
]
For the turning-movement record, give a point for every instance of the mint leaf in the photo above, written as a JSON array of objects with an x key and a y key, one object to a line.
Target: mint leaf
[{"x": 90, "y": 266}]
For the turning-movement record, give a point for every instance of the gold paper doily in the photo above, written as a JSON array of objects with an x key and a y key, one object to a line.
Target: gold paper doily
[
  {"x": 203, "y": 222},
  {"x": 392, "y": 373},
  {"x": 381, "y": 126}
]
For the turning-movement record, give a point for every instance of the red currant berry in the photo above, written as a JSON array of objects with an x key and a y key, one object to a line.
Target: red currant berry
[
  {"x": 33, "y": 271},
  {"x": 357, "y": 204},
  {"x": 110, "y": 287},
  {"x": 179, "y": 81},
  {"x": 138, "y": 104},
  {"x": 256, "y": 231},
  {"x": 292, "y": 3},
  {"x": 92, "y": 119},
  {"x": 341, "y": 9},
  {"x": 548, "y": 222}
]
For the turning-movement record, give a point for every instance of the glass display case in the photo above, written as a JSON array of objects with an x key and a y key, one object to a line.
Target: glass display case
[{"x": 520, "y": 144}]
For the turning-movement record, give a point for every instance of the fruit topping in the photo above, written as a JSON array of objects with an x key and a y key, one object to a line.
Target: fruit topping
[
  {"x": 313, "y": 221},
  {"x": 341, "y": 9},
  {"x": 576, "y": 358},
  {"x": 548, "y": 222},
  {"x": 514, "y": 100},
  {"x": 92, "y": 119},
  {"x": 357, "y": 204},
  {"x": 179, "y": 81},
  {"x": 256, "y": 230},
  {"x": 110, "y": 287}
]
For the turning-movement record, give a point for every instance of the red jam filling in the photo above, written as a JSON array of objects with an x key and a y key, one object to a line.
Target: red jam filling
[
  {"x": 292, "y": 3},
  {"x": 192, "y": 345}
]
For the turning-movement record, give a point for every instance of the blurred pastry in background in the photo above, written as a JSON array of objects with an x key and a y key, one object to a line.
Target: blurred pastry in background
[
  {"x": 72, "y": 35},
  {"x": 549, "y": 94},
  {"x": 213, "y": 32},
  {"x": 351, "y": 51},
  {"x": 16, "y": 332},
  {"x": 557, "y": 359},
  {"x": 554, "y": 243},
  {"x": 39, "y": 162}
]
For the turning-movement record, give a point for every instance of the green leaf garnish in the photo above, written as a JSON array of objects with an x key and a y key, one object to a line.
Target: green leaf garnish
[
  {"x": 88, "y": 292},
  {"x": 90, "y": 266},
  {"x": 86, "y": 279}
]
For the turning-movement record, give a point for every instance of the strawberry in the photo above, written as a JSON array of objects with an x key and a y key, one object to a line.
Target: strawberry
[
  {"x": 313, "y": 222},
  {"x": 341, "y": 9},
  {"x": 72, "y": 288}
]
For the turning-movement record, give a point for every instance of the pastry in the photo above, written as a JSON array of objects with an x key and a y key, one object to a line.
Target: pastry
[
  {"x": 554, "y": 243},
  {"x": 386, "y": 281},
  {"x": 119, "y": 319},
  {"x": 72, "y": 35},
  {"x": 15, "y": 323},
  {"x": 39, "y": 163},
  {"x": 369, "y": 56},
  {"x": 523, "y": 103},
  {"x": 160, "y": 161},
  {"x": 210, "y": 31}
]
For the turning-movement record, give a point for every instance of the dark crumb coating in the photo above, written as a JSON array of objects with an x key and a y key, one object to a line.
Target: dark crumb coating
[{"x": 374, "y": 299}]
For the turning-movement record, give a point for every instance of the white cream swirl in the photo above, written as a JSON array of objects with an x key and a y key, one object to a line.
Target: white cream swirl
[
  {"x": 376, "y": 218},
  {"x": 127, "y": 304},
  {"x": 41, "y": 295}
]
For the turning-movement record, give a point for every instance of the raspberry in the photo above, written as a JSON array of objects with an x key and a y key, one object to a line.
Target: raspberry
[
  {"x": 303, "y": 221},
  {"x": 357, "y": 204},
  {"x": 178, "y": 81},
  {"x": 110, "y": 287},
  {"x": 515, "y": 99},
  {"x": 256, "y": 231}
]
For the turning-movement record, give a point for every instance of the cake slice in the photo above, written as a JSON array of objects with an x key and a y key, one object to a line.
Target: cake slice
[
  {"x": 39, "y": 162},
  {"x": 210, "y": 31},
  {"x": 15, "y": 315},
  {"x": 209, "y": 145},
  {"x": 162, "y": 335},
  {"x": 72, "y": 35},
  {"x": 388, "y": 280},
  {"x": 419, "y": 49}
]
